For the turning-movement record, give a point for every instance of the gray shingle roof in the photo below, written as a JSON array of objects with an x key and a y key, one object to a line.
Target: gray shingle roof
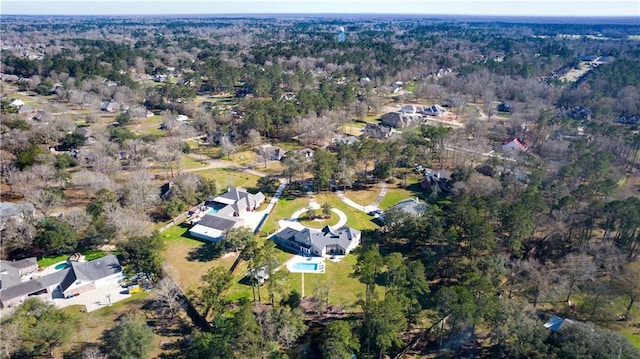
[
  {"x": 306, "y": 238},
  {"x": 412, "y": 206},
  {"x": 89, "y": 271},
  {"x": 218, "y": 222}
]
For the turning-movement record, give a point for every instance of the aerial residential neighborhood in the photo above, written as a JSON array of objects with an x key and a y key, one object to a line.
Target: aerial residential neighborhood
[{"x": 318, "y": 185}]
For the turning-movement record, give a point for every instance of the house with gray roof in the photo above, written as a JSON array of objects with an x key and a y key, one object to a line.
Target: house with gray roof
[
  {"x": 109, "y": 106},
  {"x": 271, "y": 152},
  {"x": 377, "y": 131},
  {"x": 411, "y": 206},
  {"x": 434, "y": 110},
  {"x": 12, "y": 271},
  {"x": 226, "y": 213},
  {"x": 311, "y": 242},
  {"x": 400, "y": 120},
  {"x": 78, "y": 277}
]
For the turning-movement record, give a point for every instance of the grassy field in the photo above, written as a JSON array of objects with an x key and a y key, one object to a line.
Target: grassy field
[
  {"x": 355, "y": 218},
  {"x": 227, "y": 177},
  {"x": 91, "y": 326},
  {"x": 284, "y": 209},
  {"x": 344, "y": 289},
  {"x": 244, "y": 158},
  {"x": 353, "y": 128},
  {"x": 189, "y": 163},
  {"x": 397, "y": 193},
  {"x": 364, "y": 196},
  {"x": 190, "y": 258},
  {"x": 89, "y": 256}
]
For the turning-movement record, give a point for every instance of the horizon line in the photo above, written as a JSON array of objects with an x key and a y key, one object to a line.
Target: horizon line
[{"x": 307, "y": 14}]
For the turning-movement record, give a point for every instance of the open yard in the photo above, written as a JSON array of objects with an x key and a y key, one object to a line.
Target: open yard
[
  {"x": 344, "y": 289},
  {"x": 363, "y": 196},
  {"x": 189, "y": 258},
  {"x": 396, "y": 193},
  {"x": 225, "y": 177},
  {"x": 91, "y": 326}
]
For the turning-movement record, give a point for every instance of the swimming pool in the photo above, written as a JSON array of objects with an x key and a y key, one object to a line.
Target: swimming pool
[
  {"x": 303, "y": 267},
  {"x": 214, "y": 209},
  {"x": 61, "y": 266}
]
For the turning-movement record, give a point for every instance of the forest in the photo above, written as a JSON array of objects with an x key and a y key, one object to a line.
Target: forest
[{"x": 116, "y": 130}]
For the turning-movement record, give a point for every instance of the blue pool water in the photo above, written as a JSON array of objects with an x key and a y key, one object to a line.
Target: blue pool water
[
  {"x": 61, "y": 266},
  {"x": 301, "y": 266},
  {"x": 214, "y": 209}
]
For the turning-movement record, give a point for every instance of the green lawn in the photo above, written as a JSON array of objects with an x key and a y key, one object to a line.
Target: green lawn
[
  {"x": 189, "y": 258},
  {"x": 320, "y": 223},
  {"x": 189, "y": 163},
  {"x": 225, "y": 177},
  {"x": 47, "y": 261},
  {"x": 284, "y": 209},
  {"x": 344, "y": 289},
  {"x": 89, "y": 256},
  {"x": 355, "y": 218},
  {"x": 396, "y": 194}
]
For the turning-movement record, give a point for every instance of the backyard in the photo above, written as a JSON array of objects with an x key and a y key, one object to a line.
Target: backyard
[
  {"x": 90, "y": 327},
  {"x": 188, "y": 259}
]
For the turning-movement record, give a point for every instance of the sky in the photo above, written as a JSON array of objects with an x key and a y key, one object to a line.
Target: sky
[{"x": 579, "y": 8}]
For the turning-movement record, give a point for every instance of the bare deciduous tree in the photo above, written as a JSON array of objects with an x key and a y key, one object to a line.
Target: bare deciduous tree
[
  {"x": 227, "y": 147},
  {"x": 44, "y": 200},
  {"x": 575, "y": 270},
  {"x": 166, "y": 294},
  {"x": 127, "y": 222},
  {"x": 93, "y": 352},
  {"x": 139, "y": 192}
]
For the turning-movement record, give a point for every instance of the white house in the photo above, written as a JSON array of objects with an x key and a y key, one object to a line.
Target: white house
[
  {"x": 76, "y": 278},
  {"x": 320, "y": 243},
  {"x": 226, "y": 213}
]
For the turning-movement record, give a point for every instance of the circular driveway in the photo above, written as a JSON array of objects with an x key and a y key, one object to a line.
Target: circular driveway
[{"x": 294, "y": 223}]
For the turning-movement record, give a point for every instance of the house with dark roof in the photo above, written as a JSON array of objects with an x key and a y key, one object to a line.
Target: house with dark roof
[
  {"x": 377, "y": 131},
  {"x": 435, "y": 110},
  {"x": 311, "y": 242},
  {"x": 225, "y": 213},
  {"x": 504, "y": 107},
  {"x": 400, "y": 120},
  {"x": 78, "y": 277},
  {"x": 109, "y": 106},
  {"x": 411, "y": 109}
]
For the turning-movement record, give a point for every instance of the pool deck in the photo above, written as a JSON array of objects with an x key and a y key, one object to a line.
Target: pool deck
[{"x": 300, "y": 259}]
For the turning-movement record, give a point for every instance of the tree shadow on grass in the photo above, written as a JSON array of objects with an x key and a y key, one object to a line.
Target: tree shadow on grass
[{"x": 206, "y": 252}]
